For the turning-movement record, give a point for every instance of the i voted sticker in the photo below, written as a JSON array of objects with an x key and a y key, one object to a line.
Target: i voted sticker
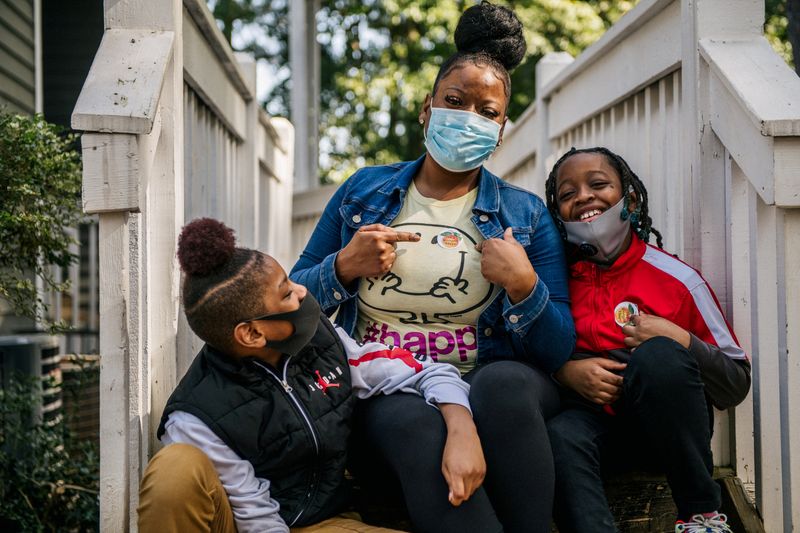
[
  {"x": 624, "y": 312},
  {"x": 449, "y": 239}
]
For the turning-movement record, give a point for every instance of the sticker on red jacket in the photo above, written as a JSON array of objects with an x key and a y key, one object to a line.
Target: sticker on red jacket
[{"x": 624, "y": 312}]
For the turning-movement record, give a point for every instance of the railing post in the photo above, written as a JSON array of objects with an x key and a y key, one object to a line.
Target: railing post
[
  {"x": 703, "y": 174},
  {"x": 546, "y": 70},
  {"x": 131, "y": 108},
  {"x": 714, "y": 191},
  {"x": 280, "y": 214},
  {"x": 248, "y": 212},
  {"x": 304, "y": 60},
  {"x": 745, "y": 314}
]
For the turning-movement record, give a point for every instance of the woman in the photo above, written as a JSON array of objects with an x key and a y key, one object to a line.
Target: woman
[{"x": 441, "y": 257}]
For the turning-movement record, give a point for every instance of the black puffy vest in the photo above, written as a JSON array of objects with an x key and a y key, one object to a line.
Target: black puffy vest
[{"x": 294, "y": 436}]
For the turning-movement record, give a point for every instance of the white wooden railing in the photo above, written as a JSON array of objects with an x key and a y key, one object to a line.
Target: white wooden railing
[
  {"x": 172, "y": 132},
  {"x": 694, "y": 98}
]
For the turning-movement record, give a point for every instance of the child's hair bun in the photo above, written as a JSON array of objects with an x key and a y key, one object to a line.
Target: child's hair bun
[
  {"x": 204, "y": 246},
  {"x": 493, "y": 30}
]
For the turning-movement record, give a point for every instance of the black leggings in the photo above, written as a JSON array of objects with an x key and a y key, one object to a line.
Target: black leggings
[{"x": 510, "y": 402}]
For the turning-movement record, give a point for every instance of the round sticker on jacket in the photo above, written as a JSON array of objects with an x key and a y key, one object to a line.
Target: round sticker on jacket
[
  {"x": 449, "y": 239},
  {"x": 624, "y": 312}
]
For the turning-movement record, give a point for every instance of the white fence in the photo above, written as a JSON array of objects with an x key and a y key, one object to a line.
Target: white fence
[
  {"x": 172, "y": 132},
  {"x": 694, "y": 98}
]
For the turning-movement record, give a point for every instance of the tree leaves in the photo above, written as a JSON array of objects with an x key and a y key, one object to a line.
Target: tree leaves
[
  {"x": 40, "y": 186},
  {"x": 379, "y": 59}
]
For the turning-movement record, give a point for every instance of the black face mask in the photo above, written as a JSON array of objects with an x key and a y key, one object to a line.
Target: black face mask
[{"x": 305, "y": 320}]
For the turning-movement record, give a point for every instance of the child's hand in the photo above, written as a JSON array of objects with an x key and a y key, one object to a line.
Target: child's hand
[
  {"x": 593, "y": 378},
  {"x": 463, "y": 465},
  {"x": 504, "y": 262},
  {"x": 643, "y": 327}
]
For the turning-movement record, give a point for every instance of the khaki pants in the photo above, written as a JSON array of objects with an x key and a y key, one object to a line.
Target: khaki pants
[{"x": 181, "y": 492}]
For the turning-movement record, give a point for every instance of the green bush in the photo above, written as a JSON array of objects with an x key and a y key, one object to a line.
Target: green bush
[
  {"x": 40, "y": 186},
  {"x": 48, "y": 481}
]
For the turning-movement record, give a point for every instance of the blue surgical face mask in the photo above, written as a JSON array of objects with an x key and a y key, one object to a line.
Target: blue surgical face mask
[{"x": 460, "y": 140}]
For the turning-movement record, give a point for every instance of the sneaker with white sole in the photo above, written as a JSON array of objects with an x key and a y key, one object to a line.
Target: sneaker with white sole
[{"x": 717, "y": 523}]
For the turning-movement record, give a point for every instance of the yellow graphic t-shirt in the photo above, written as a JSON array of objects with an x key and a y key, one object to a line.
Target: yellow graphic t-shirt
[{"x": 431, "y": 299}]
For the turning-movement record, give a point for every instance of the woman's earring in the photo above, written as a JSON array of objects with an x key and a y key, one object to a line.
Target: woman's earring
[{"x": 421, "y": 122}]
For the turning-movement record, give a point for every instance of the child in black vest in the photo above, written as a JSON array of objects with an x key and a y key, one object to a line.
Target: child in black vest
[{"x": 257, "y": 428}]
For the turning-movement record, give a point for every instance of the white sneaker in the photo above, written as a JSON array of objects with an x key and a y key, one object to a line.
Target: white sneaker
[{"x": 718, "y": 523}]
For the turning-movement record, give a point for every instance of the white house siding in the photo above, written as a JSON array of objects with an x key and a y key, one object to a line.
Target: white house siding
[
  {"x": 17, "y": 56},
  {"x": 17, "y": 90}
]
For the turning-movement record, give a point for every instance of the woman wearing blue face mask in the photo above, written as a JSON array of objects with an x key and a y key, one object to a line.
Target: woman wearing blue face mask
[{"x": 443, "y": 258}]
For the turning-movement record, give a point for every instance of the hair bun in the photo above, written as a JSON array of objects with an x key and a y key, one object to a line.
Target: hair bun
[
  {"x": 204, "y": 246},
  {"x": 494, "y": 30}
]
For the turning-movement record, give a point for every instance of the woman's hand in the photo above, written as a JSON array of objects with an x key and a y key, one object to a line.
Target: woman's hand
[
  {"x": 593, "y": 378},
  {"x": 505, "y": 263},
  {"x": 643, "y": 327},
  {"x": 463, "y": 465},
  {"x": 370, "y": 253}
]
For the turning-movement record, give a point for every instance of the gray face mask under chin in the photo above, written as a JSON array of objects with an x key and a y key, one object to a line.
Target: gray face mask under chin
[{"x": 602, "y": 239}]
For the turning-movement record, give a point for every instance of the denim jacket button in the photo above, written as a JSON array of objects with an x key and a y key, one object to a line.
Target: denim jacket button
[
  {"x": 484, "y": 218},
  {"x": 488, "y": 332},
  {"x": 337, "y": 295},
  {"x": 513, "y": 319},
  {"x": 357, "y": 219}
]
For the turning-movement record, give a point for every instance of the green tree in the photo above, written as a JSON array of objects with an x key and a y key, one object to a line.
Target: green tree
[
  {"x": 782, "y": 29},
  {"x": 379, "y": 59},
  {"x": 49, "y": 481},
  {"x": 389, "y": 53},
  {"x": 40, "y": 186}
]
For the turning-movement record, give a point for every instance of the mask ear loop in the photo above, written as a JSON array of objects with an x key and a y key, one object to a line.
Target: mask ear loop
[
  {"x": 632, "y": 215},
  {"x": 626, "y": 212}
]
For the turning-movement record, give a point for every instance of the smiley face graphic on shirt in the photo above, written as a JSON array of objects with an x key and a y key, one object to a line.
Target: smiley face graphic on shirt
[{"x": 434, "y": 280}]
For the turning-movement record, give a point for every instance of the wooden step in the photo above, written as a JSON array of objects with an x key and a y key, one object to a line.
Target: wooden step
[{"x": 640, "y": 502}]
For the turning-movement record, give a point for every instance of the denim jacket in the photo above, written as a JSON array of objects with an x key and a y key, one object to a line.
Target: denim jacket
[{"x": 538, "y": 329}]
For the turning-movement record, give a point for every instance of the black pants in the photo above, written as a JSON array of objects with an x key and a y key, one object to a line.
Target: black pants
[
  {"x": 662, "y": 415},
  {"x": 510, "y": 402}
]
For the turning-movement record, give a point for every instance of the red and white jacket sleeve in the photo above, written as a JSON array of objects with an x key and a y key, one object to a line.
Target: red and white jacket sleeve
[
  {"x": 379, "y": 369},
  {"x": 724, "y": 367}
]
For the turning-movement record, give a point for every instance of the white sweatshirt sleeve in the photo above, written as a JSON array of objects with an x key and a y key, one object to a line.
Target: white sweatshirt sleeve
[
  {"x": 253, "y": 509},
  {"x": 378, "y": 369}
]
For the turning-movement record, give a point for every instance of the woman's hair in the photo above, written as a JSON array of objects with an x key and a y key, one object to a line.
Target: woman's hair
[
  {"x": 222, "y": 284},
  {"x": 640, "y": 219},
  {"x": 487, "y": 34}
]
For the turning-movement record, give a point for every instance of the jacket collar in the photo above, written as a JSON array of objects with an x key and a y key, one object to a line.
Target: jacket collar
[
  {"x": 624, "y": 262},
  {"x": 488, "y": 200},
  {"x": 236, "y": 369}
]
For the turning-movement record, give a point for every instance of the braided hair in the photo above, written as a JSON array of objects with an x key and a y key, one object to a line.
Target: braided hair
[
  {"x": 640, "y": 220},
  {"x": 487, "y": 34},
  {"x": 222, "y": 284}
]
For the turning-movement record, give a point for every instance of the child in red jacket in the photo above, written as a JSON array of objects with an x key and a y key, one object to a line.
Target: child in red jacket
[{"x": 653, "y": 349}]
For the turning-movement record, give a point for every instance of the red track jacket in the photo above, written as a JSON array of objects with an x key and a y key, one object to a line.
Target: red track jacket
[{"x": 659, "y": 284}]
